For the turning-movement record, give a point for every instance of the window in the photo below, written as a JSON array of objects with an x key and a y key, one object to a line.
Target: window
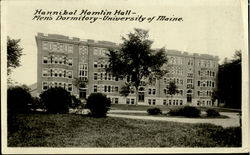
[
  {"x": 116, "y": 100},
  {"x": 173, "y": 102},
  {"x": 45, "y": 59},
  {"x": 153, "y": 101},
  {"x": 181, "y": 92},
  {"x": 169, "y": 102},
  {"x": 109, "y": 88},
  {"x": 70, "y": 62},
  {"x": 199, "y": 83},
  {"x": 153, "y": 92},
  {"x": 177, "y": 102},
  {"x": 70, "y": 74},
  {"x": 181, "y": 102},
  {"x": 105, "y": 88},
  {"x": 116, "y": 88},
  {"x": 212, "y": 84},
  {"x": 149, "y": 101},
  {"x": 45, "y": 85},
  {"x": 198, "y": 93},
  {"x": 127, "y": 101},
  {"x": 198, "y": 102},
  {"x": 45, "y": 45},
  {"x": 132, "y": 101},
  {"x": 164, "y": 102},
  {"x": 165, "y": 91},
  {"x": 70, "y": 48},
  {"x": 69, "y": 87},
  {"x": 95, "y": 64},
  {"x": 149, "y": 91},
  {"x": 45, "y": 72},
  {"x": 95, "y": 76},
  {"x": 95, "y": 88}
]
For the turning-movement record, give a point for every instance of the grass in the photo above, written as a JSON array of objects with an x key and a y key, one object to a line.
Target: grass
[
  {"x": 71, "y": 130},
  {"x": 164, "y": 107}
]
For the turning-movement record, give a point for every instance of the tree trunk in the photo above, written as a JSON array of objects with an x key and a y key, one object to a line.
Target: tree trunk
[{"x": 136, "y": 96}]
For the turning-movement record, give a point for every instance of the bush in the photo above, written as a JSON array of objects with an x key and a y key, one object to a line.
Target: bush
[
  {"x": 98, "y": 104},
  {"x": 18, "y": 99},
  {"x": 56, "y": 100},
  {"x": 186, "y": 111},
  {"x": 154, "y": 111},
  {"x": 212, "y": 113}
]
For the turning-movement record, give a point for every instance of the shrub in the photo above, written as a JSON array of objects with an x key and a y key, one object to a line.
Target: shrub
[
  {"x": 98, "y": 104},
  {"x": 154, "y": 111},
  {"x": 18, "y": 99},
  {"x": 56, "y": 100},
  {"x": 212, "y": 113},
  {"x": 186, "y": 111}
]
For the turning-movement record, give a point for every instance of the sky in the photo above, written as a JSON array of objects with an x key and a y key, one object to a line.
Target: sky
[{"x": 209, "y": 27}]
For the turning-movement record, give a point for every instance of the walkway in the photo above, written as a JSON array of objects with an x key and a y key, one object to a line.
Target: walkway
[{"x": 232, "y": 121}]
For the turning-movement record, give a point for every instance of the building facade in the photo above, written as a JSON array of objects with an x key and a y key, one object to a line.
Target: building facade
[{"x": 63, "y": 60}]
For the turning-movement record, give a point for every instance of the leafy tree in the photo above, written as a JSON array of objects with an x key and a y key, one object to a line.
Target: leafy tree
[
  {"x": 229, "y": 82},
  {"x": 125, "y": 90},
  {"x": 98, "y": 104},
  {"x": 56, "y": 100},
  {"x": 18, "y": 99},
  {"x": 14, "y": 52},
  {"x": 135, "y": 59},
  {"x": 172, "y": 89}
]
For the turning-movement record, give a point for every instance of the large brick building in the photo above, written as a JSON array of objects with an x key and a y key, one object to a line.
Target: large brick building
[{"x": 62, "y": 60}]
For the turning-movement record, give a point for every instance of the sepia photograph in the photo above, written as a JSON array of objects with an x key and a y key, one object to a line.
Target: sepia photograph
[{"x": 125, "y": 76}]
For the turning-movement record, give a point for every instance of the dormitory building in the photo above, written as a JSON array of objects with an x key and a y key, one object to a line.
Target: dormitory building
[{"x": 62, "y": 59}]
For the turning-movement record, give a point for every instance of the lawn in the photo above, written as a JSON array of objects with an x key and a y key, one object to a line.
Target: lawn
[
  {"x": 202, "y": 116},
  {"x": 71, "y": 130},
  {"x": 164, "y": 107}
]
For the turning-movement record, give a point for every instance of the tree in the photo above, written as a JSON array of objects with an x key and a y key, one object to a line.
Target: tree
[
  {"x": 14, "y": 52},
  {"x": 135, "y": 59},
  {"x": 56, "y": 100},
  {"x": 98, "y": 104},
  {"x": 18, "y": 99},
  {"x": 172, "y": 88},
  {"x": 229, "y": 82}
]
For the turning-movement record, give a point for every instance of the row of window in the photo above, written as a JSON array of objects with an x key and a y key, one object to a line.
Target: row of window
[
  {"x": 57, "y": 47},
  {"x": 57, "y": 59},
  {"x": 180, "y": 93},
  {"x": 205, "y": 83},
  {"x": 104, "y": 76},
  {"x": 47, "y": 84},
  {"x": 176, "y": 70},
  {"x": 207, "y": 73},
  {"x": 57, "y": 72},
  {"x": 177, "y": 81},
  {"x": 205, "y": 103},
  {"x": 130, "y": 101},
  {"x": 204, "y": 93},
  {"x": 175, "y": 60},
  {"x": 115, "y": 100},
  {"x": 172, "y": 102},
  {"x": 101, "y": 64},
  {"x": 100, "y": 51},
  {"x": 207, "y": 63},
  {"x": 105, "y": 88}
]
